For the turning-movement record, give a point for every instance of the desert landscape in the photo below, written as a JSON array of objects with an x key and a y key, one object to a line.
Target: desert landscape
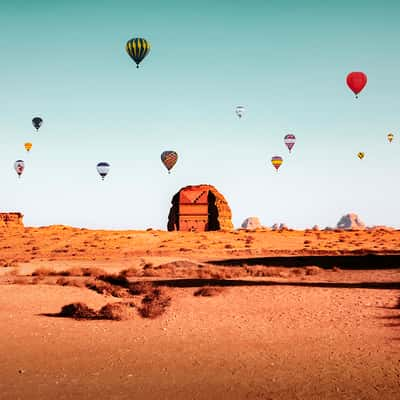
[{"x": 240, "y": 314}]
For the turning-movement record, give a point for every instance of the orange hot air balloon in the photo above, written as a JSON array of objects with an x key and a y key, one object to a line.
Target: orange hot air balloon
[
  {"x": 277, "y": 162},
  {"x": 28, "y": 146},
  {"x": 390, "y": 137}
]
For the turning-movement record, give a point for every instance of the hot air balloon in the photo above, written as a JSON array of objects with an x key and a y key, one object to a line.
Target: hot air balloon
[
  {"x": 360, "y": 155},
  {"x": 390, "y": 137},
  {"x": 19, "y": 167},
  {"x": 290, "y": 140},
  {"x": 169, "y": 159},
  {"x": 277, "y": 162},
  {"x": 137, "y": 48},
  {"x": 28, "y": 146},
  {"x": 37, "y": 123},
  {"x": 102, "y": 169},
  {"x": 240, "y": 111},
  {"x": 356, "y": 81}
]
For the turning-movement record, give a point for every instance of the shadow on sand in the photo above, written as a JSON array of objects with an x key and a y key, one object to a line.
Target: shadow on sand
[
  {"x": 355, "y": 261},
  {"x": 196, "y": 282}
]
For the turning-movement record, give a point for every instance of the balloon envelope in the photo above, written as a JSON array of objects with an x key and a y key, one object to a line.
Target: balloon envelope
[
  {"x": 240, "y": 111},
  {"x": 356, "y": 81},
  {"x": 28, "y": 146},
  {"x": 19, "y": 167},
  {"x": 361, "y": 155},
  {"x": 276, "y": 162},
  {"x": 169, "y": 159},
  {"x": 37, "y": 122},
  {"x": 102, "y": 169},
  {"x": 390, "y": 137},
  {"x": 290, "y": 140},
  {"x": 137, "y": 48}
]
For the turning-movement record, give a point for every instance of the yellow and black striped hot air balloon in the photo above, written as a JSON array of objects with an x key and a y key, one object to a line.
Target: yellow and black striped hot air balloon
[
  {"x": 28, "y": 146},
  {"x": 137, "y": 48},
  {"x": 361, "y": 155}
]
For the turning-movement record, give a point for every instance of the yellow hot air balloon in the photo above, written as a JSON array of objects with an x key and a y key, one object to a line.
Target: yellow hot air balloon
[
  {"x": 360, "y": 155},
  {"x": 390, "y": 137},
  {"x": 277, "y": 162},
  {"x": 28, "y": 146}
]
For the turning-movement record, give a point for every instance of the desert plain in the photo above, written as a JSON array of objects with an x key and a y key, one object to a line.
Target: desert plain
[{"x": 89, "y": 314}]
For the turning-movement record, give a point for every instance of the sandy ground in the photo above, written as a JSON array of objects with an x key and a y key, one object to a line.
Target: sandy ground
[{"x": 332, "y": 334}]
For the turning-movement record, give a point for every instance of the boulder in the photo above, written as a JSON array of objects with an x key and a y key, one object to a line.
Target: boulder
[
  {"x": 251, "y": 223},
  {"x": 349, "y": 222}
]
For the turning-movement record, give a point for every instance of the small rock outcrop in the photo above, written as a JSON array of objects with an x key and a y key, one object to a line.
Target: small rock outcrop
[
  {"x": 11, "y": 220},
  {"x": 350, "y": 221},
  {"x": 315, "y": 228},
  {"x": 279, "y": 227},
  {"x": 251, "y": 223}
]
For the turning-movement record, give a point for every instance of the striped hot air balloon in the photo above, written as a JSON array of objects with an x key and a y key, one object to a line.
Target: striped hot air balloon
[
  {"x": 28, "y": 146},
  {"x": 361, "y": 155},
  {"x": 37, "y": 123},
  {"x": 390, "y": 137},
  {"x": 169, "y": 159},
  {"x": 19, "y": 167},
  {"x": 102, "y": 169},
  {"x": 277, "y": 162},
  {"x": 290, "y": 140},
  {"x": 240, "y": 111},
  {"x": 137, "y": 48}
]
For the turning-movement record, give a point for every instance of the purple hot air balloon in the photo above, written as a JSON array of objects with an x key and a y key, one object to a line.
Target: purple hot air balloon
[{"x": 290, "y": 140}]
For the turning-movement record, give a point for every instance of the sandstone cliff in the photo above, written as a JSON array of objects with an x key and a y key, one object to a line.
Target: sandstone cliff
[
  {"x": 11, "y": 220},
  {"x": 219, "y": 210}
]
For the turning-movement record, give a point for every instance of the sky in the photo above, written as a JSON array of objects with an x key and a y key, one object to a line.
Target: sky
[{"x": 285, "y": 61}]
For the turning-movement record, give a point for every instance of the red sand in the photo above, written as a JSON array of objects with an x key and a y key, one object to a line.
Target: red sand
[{"x": 333, "y": 335}]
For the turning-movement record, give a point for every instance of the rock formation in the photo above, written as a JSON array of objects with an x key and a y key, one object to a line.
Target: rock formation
[
  {"x": 315, "y": 228},
  {"x": 11, "y": 220},
  {"x": 279, "y": 227},
  {"x": 199, "y": 208},
  {"x": 251, "y": 223},
  {"x": 350, "y": 221}
]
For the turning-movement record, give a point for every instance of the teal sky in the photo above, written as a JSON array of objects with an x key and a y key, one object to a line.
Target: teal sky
[{"x": 286, "y": 61}]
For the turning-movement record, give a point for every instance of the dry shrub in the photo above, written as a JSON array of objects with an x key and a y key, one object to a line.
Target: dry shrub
[
  {"x": 228, "y": 246},
  {"x": 78, "y": 311},
  {"x": 13, "y": 272},
  {"x": 115, "y": 279},
  {"x": 63, "y": 281},
  {"x": 21, "y": 280},
  {"x": 79, "y": 271},
  {"x": 117, "y": 311},
  {"x": 155, "y": 303},
  {"x": 138, "y": 288},
  {"x": 106, "y": 288},
  {"x": 129, "y": 272},
  {"x": 208, "y": 291},
  {"x": 42, "y": 272},
  {"x": 297, "y": 271},
  {"x": 313, "y": 270},
  {"x": 8, "y": 263}
]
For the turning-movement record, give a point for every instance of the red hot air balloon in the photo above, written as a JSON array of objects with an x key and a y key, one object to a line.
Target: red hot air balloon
[{"x": 356, "y": 81}]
